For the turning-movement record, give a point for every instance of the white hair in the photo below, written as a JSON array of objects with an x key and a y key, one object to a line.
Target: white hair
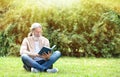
[{"x": 35, "y": 25}]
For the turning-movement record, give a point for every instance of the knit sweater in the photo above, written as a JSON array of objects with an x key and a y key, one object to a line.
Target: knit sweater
[{"x": 28, "y": 44}]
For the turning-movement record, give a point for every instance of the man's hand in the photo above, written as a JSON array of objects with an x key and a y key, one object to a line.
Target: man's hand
[
  {"x": 35, "y": 55},
  {"x": 46, "y": 56}
]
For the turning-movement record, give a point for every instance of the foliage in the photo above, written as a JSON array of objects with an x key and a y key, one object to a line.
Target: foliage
[
  {"x": 7, "y": 42},
  {"x": 78, "y": 27}
]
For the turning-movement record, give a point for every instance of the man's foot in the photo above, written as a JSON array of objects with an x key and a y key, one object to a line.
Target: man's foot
[
  {"x": 34, "y": 70},
  {"x": 54, "y": 70},
  {"x": 27, "y": 68}
]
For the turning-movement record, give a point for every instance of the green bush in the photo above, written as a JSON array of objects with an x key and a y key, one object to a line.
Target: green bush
[
  {"x": 7, "y": 42},
  {"x": 82, "y": 28}
]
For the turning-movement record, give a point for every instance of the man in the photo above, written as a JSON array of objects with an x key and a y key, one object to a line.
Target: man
[{"x": 30, "y": 47}]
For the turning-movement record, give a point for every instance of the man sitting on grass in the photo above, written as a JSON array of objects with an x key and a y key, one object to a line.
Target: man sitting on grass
[{"x": 30, "y": 47}]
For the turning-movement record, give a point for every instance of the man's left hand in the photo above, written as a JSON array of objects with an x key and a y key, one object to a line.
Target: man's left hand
[{"x": 46, "y": 56}]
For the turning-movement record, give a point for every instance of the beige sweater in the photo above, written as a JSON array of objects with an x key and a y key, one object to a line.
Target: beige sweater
[{"x": 28, "y": 45}]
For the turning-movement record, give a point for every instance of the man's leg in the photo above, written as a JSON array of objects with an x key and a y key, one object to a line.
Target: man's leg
[
  {"x": 26, "y": 67},
  {"x": 28, "y": 61},
  {"x": 53, "y": 58},
  {"x": 43, "y": 61},
  {"x": 31, "y": 63}
]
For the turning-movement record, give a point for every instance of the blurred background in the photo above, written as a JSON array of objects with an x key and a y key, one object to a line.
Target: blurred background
[{"x": 79, "y": 28}]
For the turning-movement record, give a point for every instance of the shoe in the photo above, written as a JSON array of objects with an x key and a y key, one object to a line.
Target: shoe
[
  {"x": 34, "y": 70},
  {"x": 27, "y": 68},
  {"x": 54, "y": 70}
]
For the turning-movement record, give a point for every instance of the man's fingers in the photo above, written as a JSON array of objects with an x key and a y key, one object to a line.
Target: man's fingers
[
  {"x": 44, "y": 53},
  {"x": 49, "y": 52}
]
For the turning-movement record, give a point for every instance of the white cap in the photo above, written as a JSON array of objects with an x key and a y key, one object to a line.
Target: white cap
[{"x": 35, "y": 25}]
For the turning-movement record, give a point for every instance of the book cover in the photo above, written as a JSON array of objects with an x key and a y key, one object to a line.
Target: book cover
[{"x": 46, "y": 50}]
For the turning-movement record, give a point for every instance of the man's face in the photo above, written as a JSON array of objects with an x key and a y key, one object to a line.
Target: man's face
[{"x": 37, "y": 32}]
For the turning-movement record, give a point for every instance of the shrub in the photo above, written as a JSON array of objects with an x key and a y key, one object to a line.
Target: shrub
[
  {"x": 82, "y": 28},
  {"x": 7, "y": 41}
]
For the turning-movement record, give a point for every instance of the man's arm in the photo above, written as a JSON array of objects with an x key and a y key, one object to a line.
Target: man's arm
[
  {"x": 24, "y": 50},
  {"x": 47, "y": 44},
  {"x": 45, "y": 55}
]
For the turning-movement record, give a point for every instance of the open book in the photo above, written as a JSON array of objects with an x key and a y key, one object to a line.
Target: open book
[{"x": 46, "y": 50}]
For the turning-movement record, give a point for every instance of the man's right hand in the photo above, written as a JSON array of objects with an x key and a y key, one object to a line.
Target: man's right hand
[{"x": 35, "y": 55}]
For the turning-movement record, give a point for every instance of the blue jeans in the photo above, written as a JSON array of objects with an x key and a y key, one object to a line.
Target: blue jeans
[{"x": 41, "y": 65}]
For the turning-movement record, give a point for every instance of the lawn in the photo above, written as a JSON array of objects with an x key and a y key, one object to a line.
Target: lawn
[{"x": 68, "y": 67}]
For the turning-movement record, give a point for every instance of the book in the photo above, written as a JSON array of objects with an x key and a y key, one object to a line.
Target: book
[{"x": 46, "y": 50}]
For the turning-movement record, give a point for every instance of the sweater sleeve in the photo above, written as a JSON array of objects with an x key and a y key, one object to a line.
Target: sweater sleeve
[
  {"x": 47, "y": 43},
  {"x": 24, "y": 48}
]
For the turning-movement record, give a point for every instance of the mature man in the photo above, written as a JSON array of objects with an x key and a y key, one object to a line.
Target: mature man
[{"x": 30, "y": 47}]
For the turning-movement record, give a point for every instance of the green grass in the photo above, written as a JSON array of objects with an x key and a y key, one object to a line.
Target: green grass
[{"x": 68, "y": 67}]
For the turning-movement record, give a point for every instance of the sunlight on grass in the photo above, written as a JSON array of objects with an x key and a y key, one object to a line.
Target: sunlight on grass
[{"x": 68, "y": 67}]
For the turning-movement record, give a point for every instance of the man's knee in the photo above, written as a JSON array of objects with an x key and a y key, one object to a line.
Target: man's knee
[
  {"x": 24, "y": 56},
  {"x": 58, "y": 53}
]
